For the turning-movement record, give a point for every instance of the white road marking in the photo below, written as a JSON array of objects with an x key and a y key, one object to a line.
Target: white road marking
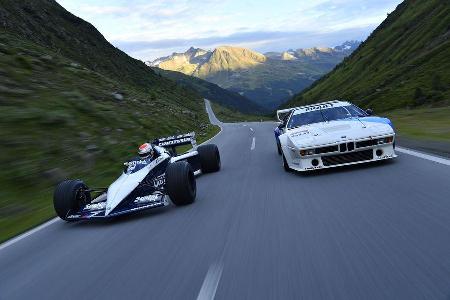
[
  {"x": 424, "y": 156},
  {"x": 253, "y": 144},
  {"x": 28, "y": 233},
  {"x": 211, "y": 282},
  {"x": 251, "y": 129},
  {"x": 245, "y": 125}
]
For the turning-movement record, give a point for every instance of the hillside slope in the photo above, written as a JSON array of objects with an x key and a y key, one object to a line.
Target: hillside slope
[
  {"x": 47, "y": 23},
  {"x": 66, "y": 115},
  {"x": 404, "y": 63}
]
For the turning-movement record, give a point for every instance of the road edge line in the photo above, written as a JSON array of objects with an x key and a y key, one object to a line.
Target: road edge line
[
  {"x": 429, "y": 157},
  {"x": 20, "y": 237}
]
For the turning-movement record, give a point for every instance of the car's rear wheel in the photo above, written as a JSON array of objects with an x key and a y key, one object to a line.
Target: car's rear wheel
[
  {"x": 180, "y": 183},
  {"x": 69, "y": 197},
  {"x": 209, "y": 158}
]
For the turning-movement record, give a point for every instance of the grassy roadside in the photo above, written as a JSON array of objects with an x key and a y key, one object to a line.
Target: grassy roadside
[
  {"x": 424, "y": 124},
  {"x": 228, "y": 115},
  {"x": 426, "y": 129}
]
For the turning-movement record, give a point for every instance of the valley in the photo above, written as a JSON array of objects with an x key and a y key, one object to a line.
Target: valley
[{"x": 268, "y": 79}]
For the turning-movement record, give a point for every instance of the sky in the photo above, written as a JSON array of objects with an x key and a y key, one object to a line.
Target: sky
[{"x": 147, "y": 30}]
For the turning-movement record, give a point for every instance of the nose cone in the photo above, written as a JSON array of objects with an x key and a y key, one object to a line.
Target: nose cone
[{"x": 122, "y": 187}]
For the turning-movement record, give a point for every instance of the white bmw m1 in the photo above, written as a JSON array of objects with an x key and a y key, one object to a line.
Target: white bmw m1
[{"x": 331, "y": 134}]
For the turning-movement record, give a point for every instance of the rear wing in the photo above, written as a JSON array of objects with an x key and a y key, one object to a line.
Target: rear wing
[
  {"x": 283, "y": 113},
  {"x": 171, "y": 142}
]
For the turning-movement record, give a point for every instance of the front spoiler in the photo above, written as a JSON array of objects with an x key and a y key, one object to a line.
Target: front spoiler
[
  {"x": 304, "y": 164},
  {"x": 295, "y": 168},
  {"x": 86, "y": 214}
]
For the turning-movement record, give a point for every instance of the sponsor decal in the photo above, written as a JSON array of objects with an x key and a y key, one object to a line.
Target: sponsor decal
[
  {"x": 95, "y": 206},
  {"x": 317, "y": 107},
  {"x": 132, "y": 164},
  {"x": 174, "y": 137},
  {"x": 313, "y": 168},
  {"x": 173, "y": 142},
  {"x": 73, "y": 216},
  {"x": 159, "y": 181},
  {"x": 93, "y": 214},
  {"x": 148, "y": 198},
  {"x": 299, "y": 133}
]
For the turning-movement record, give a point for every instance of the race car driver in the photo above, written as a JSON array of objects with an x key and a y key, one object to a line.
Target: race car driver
[{"x": 147, "y": 150}]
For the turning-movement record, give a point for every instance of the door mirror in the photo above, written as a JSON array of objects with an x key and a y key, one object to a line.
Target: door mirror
[{"x": 369, "y": 111}]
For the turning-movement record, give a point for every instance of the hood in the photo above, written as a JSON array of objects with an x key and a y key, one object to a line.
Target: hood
[{"x": 338, "y": 131}]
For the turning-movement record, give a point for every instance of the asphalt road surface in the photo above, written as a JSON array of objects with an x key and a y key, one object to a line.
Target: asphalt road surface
[{"x": 375, "y": 231}]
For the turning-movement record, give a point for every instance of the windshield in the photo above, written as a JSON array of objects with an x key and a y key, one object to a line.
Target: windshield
[{"x": 323, "y": 115}]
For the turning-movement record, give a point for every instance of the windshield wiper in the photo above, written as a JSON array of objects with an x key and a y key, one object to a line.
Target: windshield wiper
[{"x": 323, "y": 117}]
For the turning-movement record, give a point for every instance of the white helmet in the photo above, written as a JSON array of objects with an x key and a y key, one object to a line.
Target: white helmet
[{"x": 145, "y": 150}]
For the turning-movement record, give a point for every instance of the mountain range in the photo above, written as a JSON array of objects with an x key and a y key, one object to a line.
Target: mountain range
[
  {"x": 404, "y": 63},
  {"x": 268, "y": 79}
]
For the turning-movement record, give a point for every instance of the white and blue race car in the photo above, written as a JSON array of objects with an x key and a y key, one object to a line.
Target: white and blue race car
[
  {"x": 331, "y": 134},
  {"x": 145, "y": 183}
]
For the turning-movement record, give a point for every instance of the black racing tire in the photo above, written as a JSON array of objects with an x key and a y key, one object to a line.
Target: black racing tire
[
  {"x": 285, "y": 164},
  {"x": 180, "y": 183},
  {"x": 209, "y": 158},
  {"x": 69, "y": 197},
  {"x": 279, "y": 148}
]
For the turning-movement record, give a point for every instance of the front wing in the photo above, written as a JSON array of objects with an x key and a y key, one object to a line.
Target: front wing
[{"x": 98, "y": 209}]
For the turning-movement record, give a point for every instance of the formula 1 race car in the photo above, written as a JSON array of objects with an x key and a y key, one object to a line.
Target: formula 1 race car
[
  {"x": 331, "y": 134},
  {"x": 147, "y": 181}
]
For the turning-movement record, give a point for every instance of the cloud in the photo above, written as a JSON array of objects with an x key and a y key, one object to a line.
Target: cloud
[
  {"x": 146, "y": 28},
  {"x": 262, "y": 41}
]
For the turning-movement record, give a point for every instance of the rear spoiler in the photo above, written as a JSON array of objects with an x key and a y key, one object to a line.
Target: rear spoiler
[
  {"x": 171, "y": 142},
  {"x": 283, "y": 113}
]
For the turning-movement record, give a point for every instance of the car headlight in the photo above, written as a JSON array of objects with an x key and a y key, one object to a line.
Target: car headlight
[
  {"x": 385, "y": 140},
  {"x": 307, "y": 152}
]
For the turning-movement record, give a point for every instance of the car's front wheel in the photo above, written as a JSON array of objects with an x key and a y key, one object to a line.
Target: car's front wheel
[
  {"x": 69, "y": 197},
  {"x": 180, "y": 183}
]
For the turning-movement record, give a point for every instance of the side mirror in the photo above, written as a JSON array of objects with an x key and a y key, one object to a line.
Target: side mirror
[{"x": 369, "y": 111}]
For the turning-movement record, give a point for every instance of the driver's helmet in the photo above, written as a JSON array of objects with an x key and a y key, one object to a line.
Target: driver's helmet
[{"x": 145, "y": 150}]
